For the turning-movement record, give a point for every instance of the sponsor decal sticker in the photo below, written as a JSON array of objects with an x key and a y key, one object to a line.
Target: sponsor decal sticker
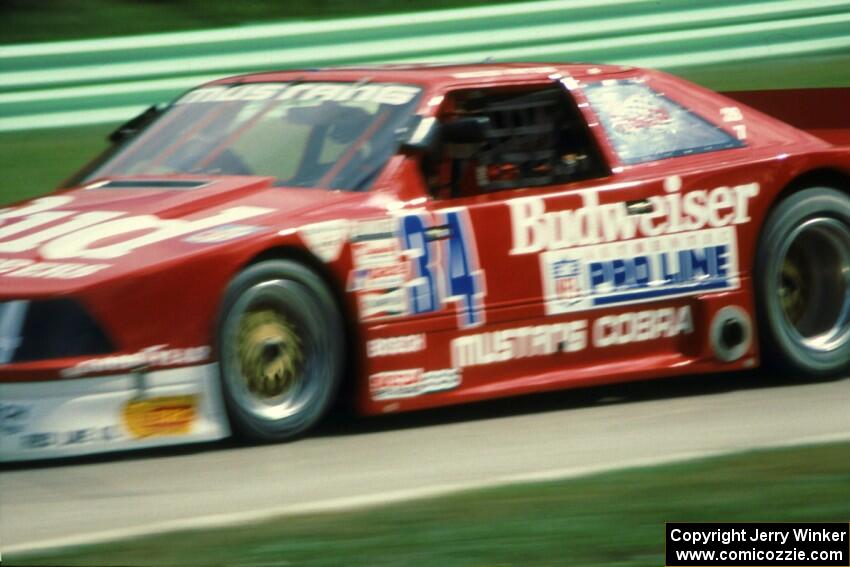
[
  {"x": 504, "y": 72},
  {"x": 14, "y": 417},
  {"x": 378, "y": 266},
  {"x": 396, "y": 345},
  {"x": 644, "y": 269},
  {"x": 638, "y": 326},
  {"x": 637, "y": 113},
  {"x": 522, "y": 342},
  {"x": 537, "y": 230},
  {"x": 418, "y": 263},
  {"x": 378, "y": 278},
  {"x": 570, "y": 336},
  {"x": 564, "y": 283},
  {"x": 733, "y": 116},
  {"x": 24, "y": 268},
  {"x": 223, "y": 233},
  {"x": 376, "y": 253},
  {"x": 325, "y": 239},
  {"x": 338, "y": 92},
  {"x": 85, "y": 436},
  {"x": 374, "y": 229},
  {"x": 165, "y": 415},
  {"x": 59, "y": 234},
  {"x": 390, "y": 303},
  {"x": 158, "y": 356},
  {"x": 599, "y": 255},
  {"x": 445, "y": 263},
  {"x": 397, "y": 384}
]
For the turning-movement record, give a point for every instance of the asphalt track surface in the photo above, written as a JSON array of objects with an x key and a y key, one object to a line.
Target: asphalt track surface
[{"x": 354, "y": 462}]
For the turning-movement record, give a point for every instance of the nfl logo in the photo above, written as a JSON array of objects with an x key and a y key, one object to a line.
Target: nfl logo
[
  {"x": 357, "y": 279},
  {"x": 566, "y": 276}
]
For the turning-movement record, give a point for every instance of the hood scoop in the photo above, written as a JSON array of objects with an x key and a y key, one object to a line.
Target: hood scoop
[
  {"x": 175, "y": 184},
  {"x": 166, "y": 197}
]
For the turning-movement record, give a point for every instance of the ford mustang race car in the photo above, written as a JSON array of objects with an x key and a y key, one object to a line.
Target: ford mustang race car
[{"x": 416, "y": 236}]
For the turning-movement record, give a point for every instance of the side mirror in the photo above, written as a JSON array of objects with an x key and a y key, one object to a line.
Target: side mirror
[
  {"x": 466, "y": 130},
  {"x": 136, "y": 124}
]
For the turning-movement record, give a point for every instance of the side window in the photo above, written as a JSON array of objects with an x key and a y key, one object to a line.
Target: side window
[
  {"x": 644, "y": 125},
  {"x": 534, "y": 138}
]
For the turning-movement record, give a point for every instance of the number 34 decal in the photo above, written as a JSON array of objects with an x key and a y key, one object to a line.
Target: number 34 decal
[{"x": 445, "y": 264}]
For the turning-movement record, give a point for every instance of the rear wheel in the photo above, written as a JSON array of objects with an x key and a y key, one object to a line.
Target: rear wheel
[
  {"x": 803, "y": 283},
  {"x": 280, "y": 348}
]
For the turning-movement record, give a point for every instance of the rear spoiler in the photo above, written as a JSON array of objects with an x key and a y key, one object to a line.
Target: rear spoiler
[{"x": 824, "y": 113}]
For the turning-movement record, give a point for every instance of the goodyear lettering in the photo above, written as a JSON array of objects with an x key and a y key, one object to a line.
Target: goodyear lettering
[{"x": 157, "y": 355}]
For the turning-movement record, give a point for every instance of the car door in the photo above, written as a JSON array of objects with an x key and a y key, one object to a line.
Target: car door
[
  {"x": 587, "y": 259},
  {"x": 506, "y": 201}
]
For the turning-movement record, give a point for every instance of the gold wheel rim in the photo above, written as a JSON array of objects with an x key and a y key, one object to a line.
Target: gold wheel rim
[
  {"x": 814, "y": 285},
  {"x": 269, "y": 353},
  {"x": 792, "y": 289}
]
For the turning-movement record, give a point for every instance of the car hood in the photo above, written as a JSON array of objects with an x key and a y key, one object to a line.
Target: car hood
[{"x": 115, "y": 226}]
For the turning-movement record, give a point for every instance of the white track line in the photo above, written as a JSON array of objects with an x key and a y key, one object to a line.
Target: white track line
[{"x": 392, "y": 497}]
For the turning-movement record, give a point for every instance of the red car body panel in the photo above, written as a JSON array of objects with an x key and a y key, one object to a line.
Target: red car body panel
[{"x": 169, "y": 292}]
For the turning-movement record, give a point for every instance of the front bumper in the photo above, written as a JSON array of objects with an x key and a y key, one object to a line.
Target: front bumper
[{"x": 74, "y": 417}]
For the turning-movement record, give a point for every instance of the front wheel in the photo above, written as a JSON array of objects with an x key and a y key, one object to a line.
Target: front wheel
[
  {"x": 802, "y": 280},
  {"x": 281, "y": 350}
]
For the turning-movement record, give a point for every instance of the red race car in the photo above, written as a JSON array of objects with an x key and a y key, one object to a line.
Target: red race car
[{"x": 414, "y": 237}]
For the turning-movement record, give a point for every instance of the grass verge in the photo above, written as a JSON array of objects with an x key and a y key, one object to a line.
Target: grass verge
[
  {"x": 614, "y": 519},
  {"x": 34, "y": 162}
]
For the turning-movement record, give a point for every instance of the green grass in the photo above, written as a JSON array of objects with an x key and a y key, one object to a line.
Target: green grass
[
  {"x": 808, "y": 71},
  {"x": 615, "y": 519},
  {"x": 34, "y": 162},
  {"x": 49, "y": 20}
]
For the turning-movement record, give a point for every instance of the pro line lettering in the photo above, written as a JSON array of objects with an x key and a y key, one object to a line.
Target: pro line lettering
[
  {"x": 641, "y": 269},
  {"x": 668, "y": 267}
]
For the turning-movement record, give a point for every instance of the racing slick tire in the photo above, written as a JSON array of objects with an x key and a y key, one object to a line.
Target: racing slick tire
[
  {"x": 802, "y": 278},
  {"x": 281, "y": 350}
]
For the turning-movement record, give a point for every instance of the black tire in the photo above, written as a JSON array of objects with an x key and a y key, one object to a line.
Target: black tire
[
  {"x": 802, "y": 279},
  {"x": 281, "y": 350}
]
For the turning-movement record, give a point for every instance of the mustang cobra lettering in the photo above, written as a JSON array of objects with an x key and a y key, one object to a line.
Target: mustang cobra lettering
[{"x": 266, "y": 247}]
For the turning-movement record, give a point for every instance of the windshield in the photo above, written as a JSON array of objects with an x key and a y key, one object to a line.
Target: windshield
[{"x": 331, "y": 135}]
